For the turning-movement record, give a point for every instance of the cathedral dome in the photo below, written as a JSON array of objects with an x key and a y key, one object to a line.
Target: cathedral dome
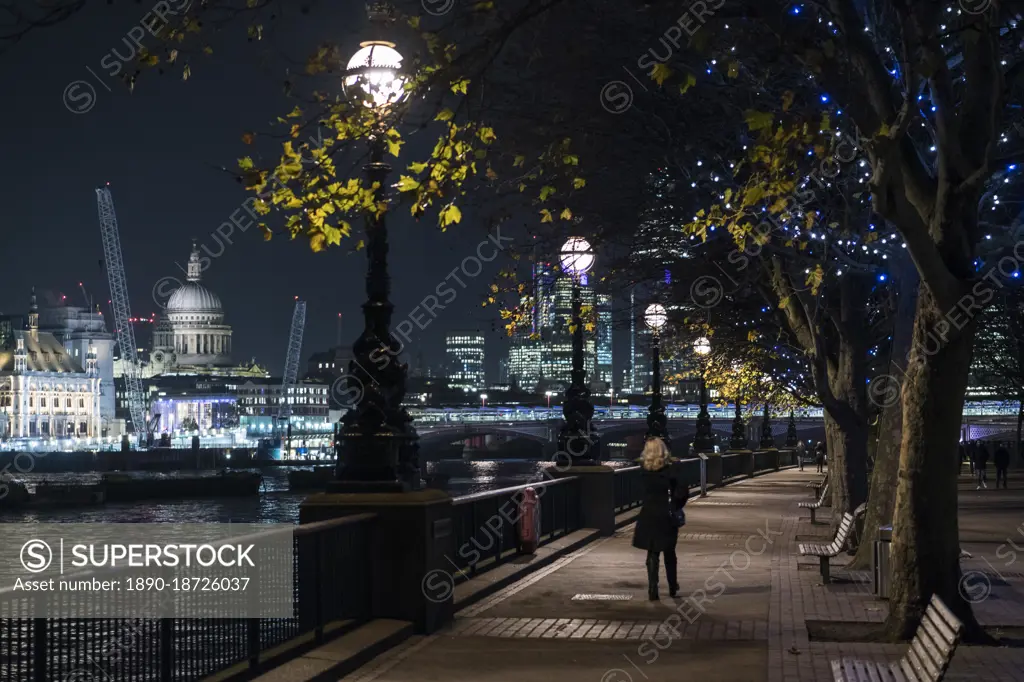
[{"x": 193, "y": 297}]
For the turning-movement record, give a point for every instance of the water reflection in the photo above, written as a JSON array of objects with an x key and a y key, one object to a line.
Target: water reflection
[{"x": 275, "y": 504}]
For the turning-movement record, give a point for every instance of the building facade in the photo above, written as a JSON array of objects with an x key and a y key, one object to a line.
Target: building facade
[
  {"x": 191, "y": 331},
  {"x": 80, "y": 329},
  {"x": 44, "y": 392},
  {"x": 603, "y": 339},
  {"x": 465, "y": 359}
]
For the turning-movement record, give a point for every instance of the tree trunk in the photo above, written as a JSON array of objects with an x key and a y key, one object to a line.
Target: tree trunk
[
  {"x": 886, "y": 394},
  {"x": 847, "y": 429},
  {"x": 925, "y": 557},
  {"x": 847, "y": 465}
]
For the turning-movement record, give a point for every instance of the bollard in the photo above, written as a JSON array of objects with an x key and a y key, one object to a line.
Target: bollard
[
  {"x": 703, "y": 474},
  {"x": 529, "y": 522}
]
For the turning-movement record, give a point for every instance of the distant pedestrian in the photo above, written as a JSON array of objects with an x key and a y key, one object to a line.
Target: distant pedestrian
[
  {"x": 962, "y": 453},
  {"x": 1001, "y": 459},
  {"x": 980, "y": 462},
  {"x": 657, "y": 529},
  {"x": 801, "y": 451},
  {"x": 819, "y": 456}
]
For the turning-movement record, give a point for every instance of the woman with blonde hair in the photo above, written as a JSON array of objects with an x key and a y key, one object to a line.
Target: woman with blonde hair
[{"x": 657, "y": 526}]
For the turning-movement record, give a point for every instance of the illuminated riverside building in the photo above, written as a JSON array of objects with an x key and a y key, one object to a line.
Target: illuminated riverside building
[
  {"x": 78, "y": 330},
  {"x": 465, "y": 352},
  {"x": 191, "y": 332},
  {"x": 44, "y": 392}
]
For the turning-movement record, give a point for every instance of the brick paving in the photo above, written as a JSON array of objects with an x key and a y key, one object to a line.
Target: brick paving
[
  {"x": 580, "y": 628},
  {"x": 745, "y": 598}
]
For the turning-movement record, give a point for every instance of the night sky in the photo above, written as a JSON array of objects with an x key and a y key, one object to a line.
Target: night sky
[{"x": 160, "y": 148}]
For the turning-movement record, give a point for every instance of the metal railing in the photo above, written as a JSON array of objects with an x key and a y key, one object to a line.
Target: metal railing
[
  {"x": 331, "y": 582},
  {"x": 733, "y": 465},
  {"x": 764, "y": 461},
  {"x": 485, "y": 525},
  {"x": 629, "y": 488}
]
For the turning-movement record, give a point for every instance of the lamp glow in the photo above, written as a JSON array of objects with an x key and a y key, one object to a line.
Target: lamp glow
[
  {"x": 372, "y": 75},
  {"x": 655, "y": 317},
  {"x": 702, "y": 346},
  {"x": 577, "y": 257}
]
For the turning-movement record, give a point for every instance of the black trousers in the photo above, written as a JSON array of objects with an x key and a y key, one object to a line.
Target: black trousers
[
  {"x": 670, "y": 568},
  {"x": 1001, "y": 473}
]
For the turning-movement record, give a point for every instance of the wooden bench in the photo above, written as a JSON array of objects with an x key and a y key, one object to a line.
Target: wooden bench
[
  {"x": 826, "y": 552},
  {"x": 816, "y": 486},
  {"x": 814, "y": 506},
  {"x": 926, "y": 660}
]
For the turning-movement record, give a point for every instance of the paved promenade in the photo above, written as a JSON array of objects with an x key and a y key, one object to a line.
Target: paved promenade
[{"x": 741, "y": 615}]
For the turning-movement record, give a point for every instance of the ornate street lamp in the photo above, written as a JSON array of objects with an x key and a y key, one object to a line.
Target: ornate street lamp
[
  {"x": 767, "y": 439},
  {"x": 377, "y": 448},
  {"x": 577, "y": 437},
  {"x": 655, "y": 317},
  {"x": 738, "y": 439},
  {"x": 791, "y": 436},
  {"x": 703, "y": 441}
]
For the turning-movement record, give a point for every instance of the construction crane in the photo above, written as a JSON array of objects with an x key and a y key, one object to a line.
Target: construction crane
[
  {"x": 122, "y": 311},
  {"x": 291, "y": 362}
]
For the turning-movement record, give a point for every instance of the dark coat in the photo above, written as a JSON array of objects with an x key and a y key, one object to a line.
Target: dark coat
[
  {"x": 1001, "y": 458},
  {"x": 981, "y": 456},
  {"x": 663, "y": 491}
]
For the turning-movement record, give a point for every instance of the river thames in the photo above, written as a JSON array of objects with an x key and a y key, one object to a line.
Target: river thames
[{"x": 275, "y": 504}]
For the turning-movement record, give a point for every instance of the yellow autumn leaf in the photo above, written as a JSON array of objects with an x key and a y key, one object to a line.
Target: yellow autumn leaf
[
  {"x": 316, "y": 242},
  {"x": 546, "y": 191},
  {"x": 571, "y": 160},
  {"x": 450, "y": 214},
  {"x": 417, "y": 167},
  {"x": 690, "y": 81},
  {"x": 753, "y": 195},
  {"x": 487, "y": 135},
  {"x": 809, "y": 220},
  {"x": 660, "y": 73},
  {"x": 407, "y": 184},
  {"x": 758, "y": 120},
  {"x": 445, "y": 114},
  {"x": 518, "y": 161},
  {"x": 394, "y": 146},
  {"x": 814, "y": 278},
  {"x": 546, "y": 216},
  {"x": 566, "y": 214},
  {"x": 578, "y": 183},
  {"x": 460, "y": 86},
  {"x": 245, "y": 163},
  {"x": 414, "y": 22}
]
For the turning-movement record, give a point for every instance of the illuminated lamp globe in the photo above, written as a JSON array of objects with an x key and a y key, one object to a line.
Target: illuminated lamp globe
[
  {"x": 655, "y": 317},
  {"x": 373, "y": 75},
  {"x": 702, "y": 346},
  {"x": 577, "y": 257}
]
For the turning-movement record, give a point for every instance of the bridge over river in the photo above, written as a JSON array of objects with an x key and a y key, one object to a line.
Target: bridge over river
[{"x": 622, "y": 427}]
